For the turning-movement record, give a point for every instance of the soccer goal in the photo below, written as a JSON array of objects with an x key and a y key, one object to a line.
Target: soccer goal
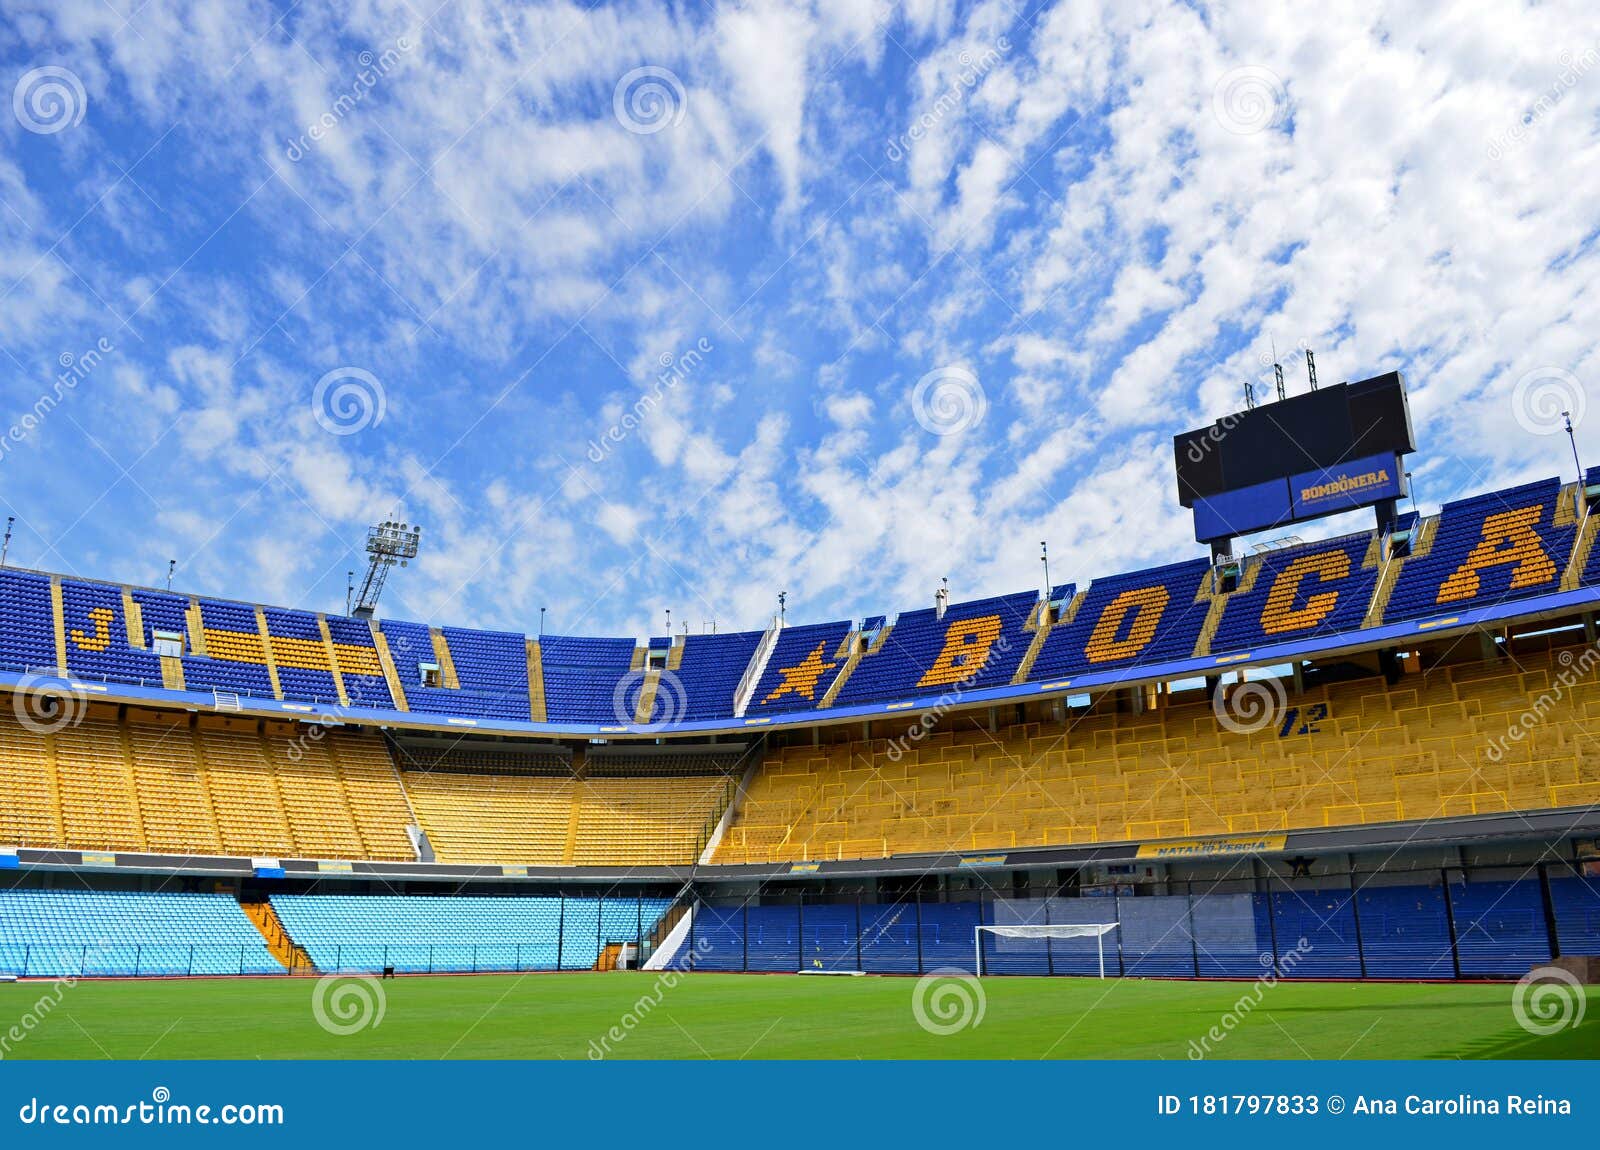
[{"x": 1095, "y": 930}]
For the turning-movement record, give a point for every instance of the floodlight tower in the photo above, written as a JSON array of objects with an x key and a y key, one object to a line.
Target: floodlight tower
[{"x": 387, "y": 544}]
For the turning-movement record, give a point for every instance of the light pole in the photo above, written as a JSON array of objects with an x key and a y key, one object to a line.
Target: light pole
[
  {"x": 1572, "y": 438},
  {"x": 172, "y": 565},
  {"x": 1044, "y": 557},
  {"x": 5, "y": 548},
  {"x": 541, "y": 620}
]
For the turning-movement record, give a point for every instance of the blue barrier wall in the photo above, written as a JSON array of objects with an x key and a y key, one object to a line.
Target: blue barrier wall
[{"x": 1418, "y": 929}]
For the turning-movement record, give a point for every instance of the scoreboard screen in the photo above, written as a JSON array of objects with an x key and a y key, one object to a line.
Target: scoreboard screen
[{"x": 1300, "y": 458}]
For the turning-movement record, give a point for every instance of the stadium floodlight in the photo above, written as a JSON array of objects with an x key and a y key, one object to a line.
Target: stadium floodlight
[
  {"x": 1095, "y": 930},
  {"x": 388, "y": 543}
]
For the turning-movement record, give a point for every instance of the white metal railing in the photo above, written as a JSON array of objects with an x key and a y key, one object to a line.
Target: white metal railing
[{"x": 758, "y": 666}]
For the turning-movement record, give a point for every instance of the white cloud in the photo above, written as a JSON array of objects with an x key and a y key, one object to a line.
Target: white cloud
[{"x": 1080, "y": 226}]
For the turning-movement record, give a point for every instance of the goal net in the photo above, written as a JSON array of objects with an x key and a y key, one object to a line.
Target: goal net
[{"x": 1094, "y": 930}]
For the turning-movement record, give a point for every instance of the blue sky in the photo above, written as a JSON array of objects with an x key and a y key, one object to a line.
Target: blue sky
[{"x": 927, "y": 284}]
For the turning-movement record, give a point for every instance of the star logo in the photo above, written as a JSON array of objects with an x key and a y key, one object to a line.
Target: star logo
[{"x": 801, "y": 679}]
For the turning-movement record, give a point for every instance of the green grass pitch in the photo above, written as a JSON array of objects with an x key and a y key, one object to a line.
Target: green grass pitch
[{"x": 570, "y": 1016}]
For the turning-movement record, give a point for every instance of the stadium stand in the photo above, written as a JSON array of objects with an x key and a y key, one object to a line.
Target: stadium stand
[
  {"x": 709, "y": 668},
  {"x": 1345, "y": 927},
  {"x": 62, "y": 933},
  {"x": 492, "y": 818},
  {"x": 305, "y": 670},
  {"x": 160, "y": 611},
  {"x": 1488, "y": 548},
  {"x": 175, "y": 810},
  {"x": 1144, "y": 617},
  {"x": 226, "y": 786},
  {"x": 27, "y": 638},
  {"x": 235, "y": 656},
  {"x": 494, "y": 666},
  {"x": 801, "y": 668},
  {"x": 975, "y": 645},
  {"x": 1500, "y": 927},
  {"x": 97, "y": 635},
  {"x": 1405, "y": 928},
  {"x": 1300, "y": 592},
  {"x": 581, "y": 676},
  {"x": 463, "y": 932},
  {"x": 661, "y": 820},
  {"x": 1575, "y": 898},
  {"x": 360, "y": 665},
  {"x": 495, "y": 679},
  {"x": 155, "y": 783},
  {"x": 95, "y": 786},
  {"x": 1343, "y": 754},
  {"x": 1437, "y": 744}
]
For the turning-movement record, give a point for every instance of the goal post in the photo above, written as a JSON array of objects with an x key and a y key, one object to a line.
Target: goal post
[{"x": 1095, "y": 930}]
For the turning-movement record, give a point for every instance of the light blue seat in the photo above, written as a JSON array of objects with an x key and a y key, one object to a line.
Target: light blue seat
[
  {"x": 123, "y": 934},
  {"x": 420, "y": 933}
]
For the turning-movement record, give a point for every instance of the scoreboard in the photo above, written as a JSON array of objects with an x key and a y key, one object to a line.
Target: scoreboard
[{"x": 1301, "y": 458}]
